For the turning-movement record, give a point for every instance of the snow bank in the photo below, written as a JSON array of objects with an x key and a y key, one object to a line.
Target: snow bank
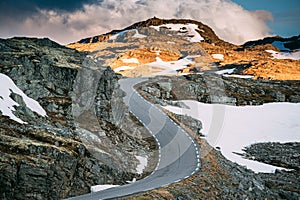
[
  {"x": 238, "y": 76},
  {"x": 143, "y": 163},
  {"x": 189, "y": 30},
  {"x": 170, "y": 67},
  {"x": 115, "y": 36},
  {"x": 138, "y": 35},
  {"x": 130, "y": 60},
  {"x": 232, "y": 128},
  {"x": 7, "y": 86},
  {"x": 218, "y": 56},
  {"x": 285, "y": 55},
  {"x": 122, "y": 68},
  {"x": 97, "y": 188},
  {"x": 225, "y": 71}
]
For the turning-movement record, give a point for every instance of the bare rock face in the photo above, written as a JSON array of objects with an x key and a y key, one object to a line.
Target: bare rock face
[
  {"x": 62, "y": 155},
  {"x": 285, "y": 155}
]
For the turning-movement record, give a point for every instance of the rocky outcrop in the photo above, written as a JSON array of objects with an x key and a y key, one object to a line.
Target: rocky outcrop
[
  {"x": 86, "y": 138},
  {"x": 291, "y": 43},
  {"x": 213, "y": 88},
  {"x": 193, "y": 124},
  {"x": 286, "y": 155}
]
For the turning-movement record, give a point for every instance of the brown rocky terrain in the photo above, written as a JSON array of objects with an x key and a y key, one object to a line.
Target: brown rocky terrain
[{"x": 248, "y": 59}]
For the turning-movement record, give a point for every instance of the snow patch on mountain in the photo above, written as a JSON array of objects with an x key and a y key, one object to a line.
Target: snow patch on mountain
[
  {"x": 143, "y": 163},
  {"x": 115, "y": 36},
  {"x": 245, "y": 125},
  {"x": 285, "y": 55},
  {"x": 218, "y": 56},
  {"x": 225, "y": 71},
  {"x": 123, "y": 68},
  {"x": 238, "y": 76},
  {"x": 188, "y": 30},
  {"x": 171, "y": 67},
  {"x": 138, "y": 35},
  {"x": 97, "y": 188},
  {"x": 7, "y": 104},
  {"x": 130, "y": 60}
]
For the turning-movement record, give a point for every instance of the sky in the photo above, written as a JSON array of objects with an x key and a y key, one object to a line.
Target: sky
[
  {"x": 66, "y": 21},
  {"x": 286, "y": 14}
]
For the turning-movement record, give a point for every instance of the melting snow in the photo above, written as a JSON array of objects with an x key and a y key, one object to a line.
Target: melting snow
[
  {"x": 123, "y": 68},
  {"x": 130, "y": 60},
  {"x": 97, "y": 188},
  {"x": 138, "y": 35},
  {"x": 7, "y": 86},
  {"x": 143, "y": 163},
  {"x": 225, "y": 71},
  {"x": 170, "y": 67},
  {"x": 183, "y": 29},
  {"x": 243, "y": 126},
  {"x": 155, "y": 27},
  {"x": 285, "y": 55},
  {"x": 115, "y": 36},
  {"x": 238, "y": 76},
  {"x": 218, "y": 56}
]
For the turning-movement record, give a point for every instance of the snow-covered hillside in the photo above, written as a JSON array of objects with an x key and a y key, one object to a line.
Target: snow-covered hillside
[
  {"x": 7, "y": 104},
  {"x": 243, "y": 126}
]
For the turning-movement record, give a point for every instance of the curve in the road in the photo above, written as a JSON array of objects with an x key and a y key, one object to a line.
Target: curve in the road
[{"x": 179, "y": 154}]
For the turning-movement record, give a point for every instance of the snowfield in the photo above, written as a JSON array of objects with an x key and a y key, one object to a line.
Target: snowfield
[
  {"x": 123, "y": 68},
  {"x": 238, "y": 76},
  {"x": 138, "y": 35},
  {"x": 7, "y": 86},
  {"x": 232, "y": 128},
  {"x": 188, "y": 30},
  {"x": 171, "y": 67},
  {"x": 130, "y": 60},
  {"x": 218, "y": 56},
  {"x": 143, "y": 163},
  {"x": 97, "y": 188},
  {"x": 225, "y": 71},
  {"x": 285, "y": 55}
]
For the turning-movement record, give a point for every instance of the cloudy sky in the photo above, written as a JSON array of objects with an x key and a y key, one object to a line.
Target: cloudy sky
[{"x": 67, "y": 21}]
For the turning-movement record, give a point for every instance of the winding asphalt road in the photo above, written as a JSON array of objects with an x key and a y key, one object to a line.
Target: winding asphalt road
[{"x": 179, "y": 155}]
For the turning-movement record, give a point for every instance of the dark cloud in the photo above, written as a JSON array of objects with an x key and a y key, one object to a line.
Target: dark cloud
[
  {"x": 19, "y": 9},
  {"x": 31, "y": 5}
]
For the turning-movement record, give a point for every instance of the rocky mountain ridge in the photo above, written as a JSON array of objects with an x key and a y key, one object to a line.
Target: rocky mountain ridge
[
  {"x": 62, "y": 155},
  {"x": 207, "y": 33},
  {"x": 263, "y": 59},
  {"x": 292, "y": 43}
]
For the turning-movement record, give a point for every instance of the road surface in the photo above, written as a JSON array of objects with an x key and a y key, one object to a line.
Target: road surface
[{"x": 179, "y": 155}]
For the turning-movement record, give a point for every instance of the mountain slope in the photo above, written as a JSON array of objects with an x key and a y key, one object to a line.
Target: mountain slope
[
  {"x": 149, "y": 47},
  {"x": 76, "y": 144},
  {"x": 206, "y": 32}
]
